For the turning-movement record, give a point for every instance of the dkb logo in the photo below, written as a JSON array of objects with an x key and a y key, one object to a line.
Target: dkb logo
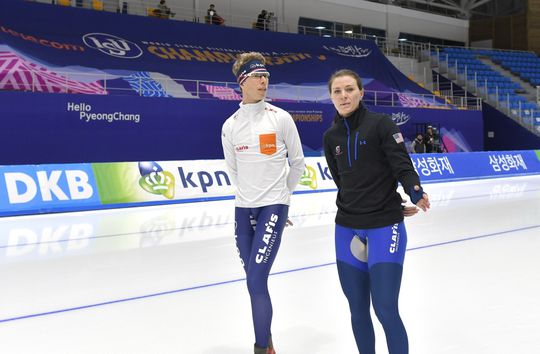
[{"x": 112, "y": 45}]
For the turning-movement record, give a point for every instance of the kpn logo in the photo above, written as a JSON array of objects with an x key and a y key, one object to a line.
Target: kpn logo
[
  {"x": 309, "y": 177},
  {"x": 156, "y": 181}
]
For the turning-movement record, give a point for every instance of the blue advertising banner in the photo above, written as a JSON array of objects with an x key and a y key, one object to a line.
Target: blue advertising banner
[
  {"x": 490, "y": 164},
  {"x": 64, "y": 128},
  {"x": 47, "y": 188},
  {"x": 31, "y": 189},
  {"x": 95, "y": 52}
]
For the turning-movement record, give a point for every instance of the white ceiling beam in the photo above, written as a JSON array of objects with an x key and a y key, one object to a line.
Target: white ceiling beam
[{"x": 443, "y": 6}]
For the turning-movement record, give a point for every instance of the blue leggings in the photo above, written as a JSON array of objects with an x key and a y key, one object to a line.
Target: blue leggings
[
  {"x": 258, "y": 236},
  {"x": 370, "y": 263}
]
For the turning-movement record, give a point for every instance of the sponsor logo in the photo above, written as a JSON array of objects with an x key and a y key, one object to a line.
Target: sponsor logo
[
  {"x": 269, "y": 238},
  {"x": 241, "y": 148},
  {"x": 309, "y": 177},
  {"x": 205, "y": 179},
  {"x": 156, "y": 181},
  {"x": 338, "y": 150},
  {"x": 112, "y": 45},
  {"x": 400, "y": 118},
  {"x": 267, "y": 143},
  {"x": 394, "y": 246},
  {"x": 349, "y": 51},
  {"x": 49, "y": 186}
]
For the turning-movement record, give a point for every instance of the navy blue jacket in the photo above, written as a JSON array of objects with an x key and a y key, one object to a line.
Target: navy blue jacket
[{"x": 366, "y": 156}]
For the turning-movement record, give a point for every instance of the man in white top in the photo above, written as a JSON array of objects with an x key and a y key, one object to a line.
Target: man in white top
[{"x": 256, "y": 140}]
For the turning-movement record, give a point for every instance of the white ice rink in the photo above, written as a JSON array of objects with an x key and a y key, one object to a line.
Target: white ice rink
[{"x": 167, "y": 279}]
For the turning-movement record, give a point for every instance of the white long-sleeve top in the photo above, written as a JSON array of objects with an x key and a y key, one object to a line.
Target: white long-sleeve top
[{"x": 256, "y": 140}]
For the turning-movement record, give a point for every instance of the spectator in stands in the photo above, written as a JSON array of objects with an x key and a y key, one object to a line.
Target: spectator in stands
[
  {"x": 366, "y": 157},
  {"x": 262, "y": 21},
  {"x": 213, "y": 17},
  {"x": 163, "y": 11},
  {"x": 431, "y": 140},
  {"x": 257, "y": 139},
  {"x": 418, "y": 146}
]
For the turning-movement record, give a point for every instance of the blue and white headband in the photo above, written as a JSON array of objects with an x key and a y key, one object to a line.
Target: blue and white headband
[{"x": 251, "y": 68}]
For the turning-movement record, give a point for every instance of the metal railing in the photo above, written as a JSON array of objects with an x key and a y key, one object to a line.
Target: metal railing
[
  {"x": 162, "y": 86},
  {"x": 396, "y": 47},
  {"x": 497, "y": 96},
  {"x": 177, "y": 13}
]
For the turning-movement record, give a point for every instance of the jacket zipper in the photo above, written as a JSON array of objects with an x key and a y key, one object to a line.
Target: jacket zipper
[
  {"x": 348, "y": 141},
  {"x": 356, "y": 147}
]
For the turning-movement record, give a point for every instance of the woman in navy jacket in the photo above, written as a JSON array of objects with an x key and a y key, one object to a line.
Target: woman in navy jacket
[{"x": 366, "y": 156}]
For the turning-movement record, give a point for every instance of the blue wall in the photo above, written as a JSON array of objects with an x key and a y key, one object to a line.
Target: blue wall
[
  {"x": 69, "y": 128},
  {"x": 508, "y": 134}
]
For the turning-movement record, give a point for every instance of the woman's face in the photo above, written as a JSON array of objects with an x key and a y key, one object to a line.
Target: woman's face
[{"x": 345, "y": 95}]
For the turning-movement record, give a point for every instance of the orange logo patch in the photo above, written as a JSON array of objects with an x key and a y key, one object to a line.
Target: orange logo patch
[{"x": 267, "y": 143}]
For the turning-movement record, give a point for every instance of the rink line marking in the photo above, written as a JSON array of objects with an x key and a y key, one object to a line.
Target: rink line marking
[
  {"x": 41, "y": 314},
  {"x": 216, "y": 225},
  {"x": 474, "y": 238}
]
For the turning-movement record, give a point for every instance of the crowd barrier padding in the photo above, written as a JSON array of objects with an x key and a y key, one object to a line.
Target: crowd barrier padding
[{"x": 34, "y": 189}]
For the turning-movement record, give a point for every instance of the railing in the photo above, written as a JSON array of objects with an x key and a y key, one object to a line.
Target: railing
[
  {"x": 106, "y": 84},
  {"x": 408, "y": 49},
  {"x": 178, "y": 13},
  {"x": 500, "y": 98},
  {"x": 439, "y": 48},
  {"x": 389, "y": 47}
]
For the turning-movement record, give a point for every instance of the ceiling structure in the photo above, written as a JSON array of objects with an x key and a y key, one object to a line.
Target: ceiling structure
[{"x": 466, "y": 9}]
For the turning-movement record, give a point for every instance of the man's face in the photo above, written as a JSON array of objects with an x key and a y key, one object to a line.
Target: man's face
[{"x": 254, "y": 88}]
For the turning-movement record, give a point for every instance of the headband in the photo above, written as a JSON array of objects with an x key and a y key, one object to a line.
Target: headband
[{"x": 250, "y": 68}]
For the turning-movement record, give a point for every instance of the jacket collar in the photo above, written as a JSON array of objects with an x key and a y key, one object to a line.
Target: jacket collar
[
  {"x": 354, "y": 119},
  {"x": 252, "y": 109}
]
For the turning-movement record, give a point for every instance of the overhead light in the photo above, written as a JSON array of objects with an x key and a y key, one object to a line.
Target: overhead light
[
  {"x": 349, "y": 31},
  {"x": 320, "y": 27},
  {"x": 402, "y": 39},
  {"x": 326, "y": 35}
]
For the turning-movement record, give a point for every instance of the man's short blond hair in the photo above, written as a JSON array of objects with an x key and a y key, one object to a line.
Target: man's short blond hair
[{"x": 244, "y": 58}]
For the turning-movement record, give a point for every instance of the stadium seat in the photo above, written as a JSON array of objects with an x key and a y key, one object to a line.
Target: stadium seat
[
  {"x": 153, "y": 12},
  {"x": 97, "y": 5}
]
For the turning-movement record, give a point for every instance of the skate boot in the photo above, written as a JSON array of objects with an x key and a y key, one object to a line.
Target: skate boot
[
  {"x": 259, "y": 350},
  {"x": 270, "y": 349}
]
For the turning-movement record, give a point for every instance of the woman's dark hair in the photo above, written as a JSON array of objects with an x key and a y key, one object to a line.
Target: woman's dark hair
[{"x": 344, "y": 72}]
